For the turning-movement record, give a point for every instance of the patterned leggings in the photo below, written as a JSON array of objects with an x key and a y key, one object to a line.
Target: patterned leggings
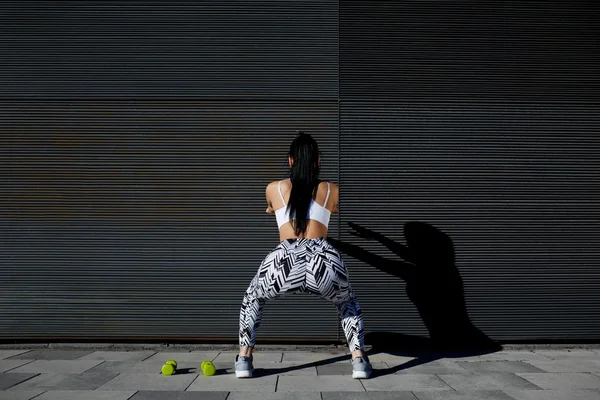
[{"x": 302, "y": 265}]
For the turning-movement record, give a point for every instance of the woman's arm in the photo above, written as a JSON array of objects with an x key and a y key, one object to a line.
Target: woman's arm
[
  {"x": 336, "y": 196},
  {"x": 268, "y": 193}
]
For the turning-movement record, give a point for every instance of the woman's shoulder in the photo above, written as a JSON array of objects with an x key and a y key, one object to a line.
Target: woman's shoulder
[
  {"x": 333, "y": 185},
  {"x": 287, "y": 184},
  {"x": 284, "y": 183}
]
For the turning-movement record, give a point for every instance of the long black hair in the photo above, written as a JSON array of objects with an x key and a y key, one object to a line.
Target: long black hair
[{"x": 304, "y": 175}]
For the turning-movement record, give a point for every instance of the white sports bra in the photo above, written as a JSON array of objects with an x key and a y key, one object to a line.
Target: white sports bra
[{"x": 315, "y": 210}]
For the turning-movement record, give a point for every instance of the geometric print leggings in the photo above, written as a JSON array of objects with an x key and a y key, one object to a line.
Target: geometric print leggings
[{"x": 302, "y": 265}]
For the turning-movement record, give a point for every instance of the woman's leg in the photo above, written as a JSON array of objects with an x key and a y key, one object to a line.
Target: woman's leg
[
  {"x": 279, "y": 273},
  {"x": 328, "y": 277},
  {"x": 250, "y": 317}
]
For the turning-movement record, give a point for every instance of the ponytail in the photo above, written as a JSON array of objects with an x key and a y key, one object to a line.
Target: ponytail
[{"x": 304, "y": 175}]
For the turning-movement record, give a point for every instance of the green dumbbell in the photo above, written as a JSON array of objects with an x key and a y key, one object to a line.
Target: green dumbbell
[
  {"x": 208, "y": 368},
  {"x": 169, "y": 368}
]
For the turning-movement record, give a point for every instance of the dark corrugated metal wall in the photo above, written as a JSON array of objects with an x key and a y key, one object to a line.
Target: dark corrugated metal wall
[
  {"x": 479, "y": 119},
  {"x": 137, "y": 138}
]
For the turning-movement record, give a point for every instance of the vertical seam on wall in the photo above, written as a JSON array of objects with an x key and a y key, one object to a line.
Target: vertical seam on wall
[{"x": 339, "y": 218}]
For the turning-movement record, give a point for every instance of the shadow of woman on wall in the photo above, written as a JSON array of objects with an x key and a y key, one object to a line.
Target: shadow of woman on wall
[{"x": 433, "y": 284}]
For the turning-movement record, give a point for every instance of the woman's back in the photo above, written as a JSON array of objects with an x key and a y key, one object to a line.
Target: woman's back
[{"x": 325, "y": 203}]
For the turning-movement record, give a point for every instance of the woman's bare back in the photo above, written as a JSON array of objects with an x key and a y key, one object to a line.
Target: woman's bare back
[{"x": 315, "y": 228}]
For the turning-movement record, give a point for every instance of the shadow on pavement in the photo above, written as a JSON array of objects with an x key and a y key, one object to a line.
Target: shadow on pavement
[{"x": 426, "y": 263}]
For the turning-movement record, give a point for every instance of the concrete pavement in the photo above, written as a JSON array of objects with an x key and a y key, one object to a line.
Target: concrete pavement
[{"x": 80, "y": 374}]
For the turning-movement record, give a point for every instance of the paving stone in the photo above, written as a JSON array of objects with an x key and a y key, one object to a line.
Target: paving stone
[
  {"x": 345, "y": 368},
  {"x": 58, "y": 366},
  {"x": 502, "y": 356},
  {"x": 275, "y": 396},
  {"x": 567, "y": 365},
  {"x": 562, "y": 381},
  {"x": 85, "y": 395},
  {"x": 162, "y": 395},
  {"x": 486, "y": 367},
  {"x": 10, "y": 379},
  {"x": 11, "y": 353},
  {"x": 132, "y": 367},
  {"x": 368, "y": 396},
  {"x": 179, "y": 356},
  {"x": 229, "y": 383},
  {"x": 282, "y": 369},
  {"x": 304, "y": 357},
  {"x": 52, "y": 355},
  {"x": 262, "y": 356},
  {"x": 153, "y": 381},
  {"x": 270, "y": 368},
  {"x": 86, "y": 381},
  {"x": 452, "y": 395},
  {"x": 20, "y": 395},
  {"x": 7, "y": 365},
  {"x": 569, "y": 354},
  {"x": 390, "y": 359},
  {"x": 119, "y": 355},
  {"x": 554, "y": 394},
  {"x": 405, "y": 382},
  {"x": 436, "y": 367},
  {"x": 486, "y": 382},
  {"x": 319, "y": 384}
]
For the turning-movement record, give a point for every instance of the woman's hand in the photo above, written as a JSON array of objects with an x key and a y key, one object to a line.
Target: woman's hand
[{"x": 270, "y": 210}]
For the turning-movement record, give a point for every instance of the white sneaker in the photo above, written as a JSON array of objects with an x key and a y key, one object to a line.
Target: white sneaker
[
  {"x": 361, "y": 368},
  {"x": 243, "y": 367}
]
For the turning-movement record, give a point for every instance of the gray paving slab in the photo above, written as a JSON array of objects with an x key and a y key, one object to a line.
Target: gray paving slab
[
  {"x": 345, "y": 368},
  {"x": 390, "y": 358},
  {"x": 85, "y": 381},
  {"x": 567, "y": 365},
  {"x": 57, "y": 366},
  {"x": 486, "y": 367},
  {"x": 368, "y": 396},
  {"x": 562, "y": 381},
  {"x": 229, "y": 383},
  {"x": 475, "y": 395},
  {"x": 518, "y": 355},
  {"x": 487, "y": 382},
  {"x": 405, "y": 382},
  {"x": 11, "y": 353},
  {"x": 135, "y": 367},
  {"x": 264, "y": 356},
  {"x": 305, "y": 357},
  {"x": 52, "y": 355},
  {"x": 436, "y": 367},
  {"x": 319, "y": 384},
  {"x": 7, "y": 365},
  {"x": 270, "y": 368},
  {"x": 145, "y": 367},
  {"x": 153, "y": 381},
  {"x": 162, "y": 395},
  {"x": 275, "y": 396},
  {"x": 119, "y": 355},
  {"x": 20, "y": 395},
  {"x": 85, "y": 395},
  {"x": 282, "y": 369},
  {"x": 554, "y": 394},
  {"x": 569, "y": 354},
  {"x": 179, "y": 356},
  {"x": 10, "y": 379}
]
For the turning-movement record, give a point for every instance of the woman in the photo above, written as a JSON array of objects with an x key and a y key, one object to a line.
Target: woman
[{"x": 304, "y": 261}]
